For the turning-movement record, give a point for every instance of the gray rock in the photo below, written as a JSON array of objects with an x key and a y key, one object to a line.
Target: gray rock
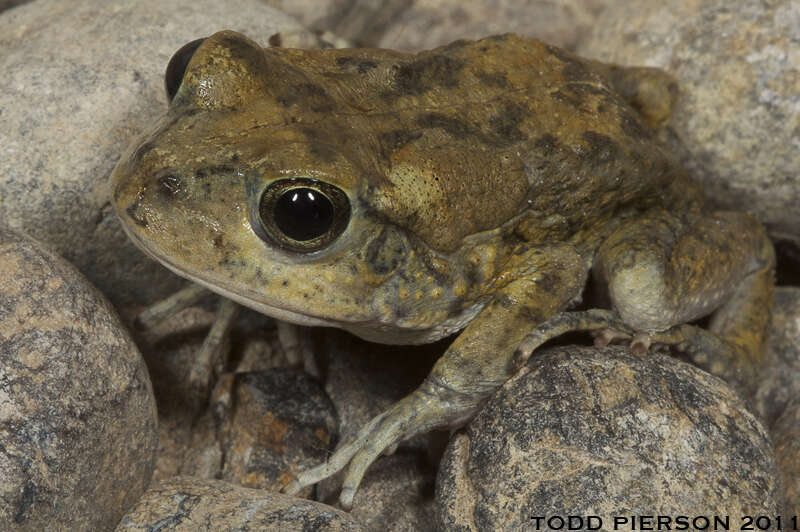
[
  {"x": 278, "y": 422},
  {"x": 421, "y": 24},
  {"x": 779, "y": 383},
  {"x": 582, "y": 431},
  {"x": 80, "y": 80},
  {"x": 738, "y": 121},
  {"x": 430, "y": 23},
  {"x": 77, "y": 413},
  {"x": 396, "y": 494},
  {"x": 194, "y": 505},
  {"x": 786, "y": 434},
  {"x": 6, "y": 4}
]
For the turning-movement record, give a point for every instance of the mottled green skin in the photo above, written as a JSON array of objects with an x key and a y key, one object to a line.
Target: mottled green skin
[{"x": 483, "y": 179}]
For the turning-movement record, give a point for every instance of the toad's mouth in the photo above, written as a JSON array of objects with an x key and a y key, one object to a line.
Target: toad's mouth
[
  {"x": 370, "y": 328},
  {"x": 217, "y": 286}
]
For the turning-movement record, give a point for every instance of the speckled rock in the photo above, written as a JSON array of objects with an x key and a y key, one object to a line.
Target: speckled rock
[
  {"x": 80, "y": 80},
  {"x": 422, "y": 24},
  {"x": 278, "y": 422},
  {"x": 396, "y": 494},
  {"x": 738, "y": 65},
  {"x": 581, "y": 431},
  {"x": 195, "y": 505},
  {"x": 786, "y": 434},
  {"x": 779, "y": 383},
  {"x": 430, "y": 23},
  {"x": 189, "y": 431},
  {"x": 77, "y": 414}
]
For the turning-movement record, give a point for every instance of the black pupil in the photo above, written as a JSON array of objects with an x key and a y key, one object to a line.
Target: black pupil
[{"x": 303, "y": 214}]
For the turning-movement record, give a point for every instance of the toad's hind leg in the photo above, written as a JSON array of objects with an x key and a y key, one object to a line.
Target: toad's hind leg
[{"x": 662, "y": 271}]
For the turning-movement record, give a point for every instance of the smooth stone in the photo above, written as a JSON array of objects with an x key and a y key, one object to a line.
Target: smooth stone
[
  {"x": 424, "y": 24},
  {"x": 738, "y": 117},
  {"x": 78, "y": 431},
  {"x": 582, "y": 431},
  {"x": 80, "y": 80},
  {"x": 194, "y": 505}
]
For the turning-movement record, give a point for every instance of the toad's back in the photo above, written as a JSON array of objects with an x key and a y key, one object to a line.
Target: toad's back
[{"x": 508, "y": 121}]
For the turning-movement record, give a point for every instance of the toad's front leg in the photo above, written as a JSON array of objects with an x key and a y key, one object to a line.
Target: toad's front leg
[{"x": 539, "y": 283}]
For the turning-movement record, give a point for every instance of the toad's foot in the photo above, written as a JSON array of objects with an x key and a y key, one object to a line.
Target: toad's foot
[
  {"x": 158, "y": 312},
  {"x": 210, "y": 361},
  {"x": 428, "y": 407},
  {"x": 210, "y": 358},
  {"x": 607, "y": 325},
  {"x": 704, "y": 348}
]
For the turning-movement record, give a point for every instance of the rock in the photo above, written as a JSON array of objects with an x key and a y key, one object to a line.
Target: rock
[
  {"x": 196, "y": 438},
  {"x": 396, "y": 494},
  {"x": 430, "y": 23},
  {"x": 278, "y": 422},
  {"x": 6, "y": 4},
  {"x": 780, "y": 381},
  {"x": 582, "y": 431},
  {"x": 738, "y": 121},
  {"x": 194, "y": 505},
  {"x": 422, "y": 24},
  {"x": 786, "y": 434},
  {"x": 77, "y": 413},
  {"x": 80, "y": 80}
]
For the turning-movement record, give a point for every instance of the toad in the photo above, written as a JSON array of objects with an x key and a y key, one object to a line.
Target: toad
[{"x": 468, "y": 190}]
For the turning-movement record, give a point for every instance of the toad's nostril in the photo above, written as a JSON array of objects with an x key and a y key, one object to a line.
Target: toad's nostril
[{"x": 169, "y": 184}]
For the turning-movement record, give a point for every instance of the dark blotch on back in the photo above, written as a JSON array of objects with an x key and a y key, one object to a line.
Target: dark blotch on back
[
  {"x": 240, "y": 50},
  {"x": 505, "y": 124},
  {"x": 455, "y": 127},
  {"x": 632, "y": 127},
  {"x": 576, "y": 71},
  {"x": 308, "y": 95},
  {"x": 546, "y": 143},
  {"x": 391, "y": 141},
  {"x": 428, "y": 72},
  {"x": 317, "y": 146},
  {"x": 493, "y": 79},
  {"x": 365, "y": 66},
  {"x": 602, "y": 149},
  {"x": 502, "y": 128}
]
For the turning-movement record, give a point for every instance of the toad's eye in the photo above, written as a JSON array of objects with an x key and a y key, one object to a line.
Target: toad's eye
[
  {"x": 177, "y": 67},
  {"x": 303, "y": 215}
]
